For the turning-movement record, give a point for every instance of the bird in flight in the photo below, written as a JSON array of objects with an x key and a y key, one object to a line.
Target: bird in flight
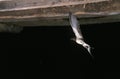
[{"x": 77, "y": 31}]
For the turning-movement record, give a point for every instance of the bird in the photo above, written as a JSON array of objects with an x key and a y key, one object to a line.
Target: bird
[{"x": 78, "y": 34}]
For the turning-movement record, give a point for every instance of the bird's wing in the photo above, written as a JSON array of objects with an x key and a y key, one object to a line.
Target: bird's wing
[{"x": 75, "y": 26}]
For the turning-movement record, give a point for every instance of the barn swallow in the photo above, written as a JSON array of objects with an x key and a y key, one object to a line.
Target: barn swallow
[{"x": 77, "y": 31}]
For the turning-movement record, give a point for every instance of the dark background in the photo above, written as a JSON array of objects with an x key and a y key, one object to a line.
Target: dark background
[{"x": 49, "y": 49}]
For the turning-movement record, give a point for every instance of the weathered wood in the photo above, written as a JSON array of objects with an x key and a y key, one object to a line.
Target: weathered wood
[{"x": 55, "y": 12}]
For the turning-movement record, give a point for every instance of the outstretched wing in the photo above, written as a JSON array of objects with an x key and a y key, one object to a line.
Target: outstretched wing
[{"x": 75, "y": 26}]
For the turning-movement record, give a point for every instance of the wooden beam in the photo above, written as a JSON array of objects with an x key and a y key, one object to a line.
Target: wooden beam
[{"x": 55, "y": 12}]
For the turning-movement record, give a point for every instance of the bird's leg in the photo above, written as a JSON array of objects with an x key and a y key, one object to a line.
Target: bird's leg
[{"x": 77, "y": 31}]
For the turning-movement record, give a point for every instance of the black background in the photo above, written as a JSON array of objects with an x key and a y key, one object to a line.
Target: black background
[{"x": 49, "y": 49}]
